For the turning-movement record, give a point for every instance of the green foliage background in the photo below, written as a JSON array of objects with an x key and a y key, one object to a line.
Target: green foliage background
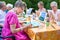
[{"x": 33, "y": 3}]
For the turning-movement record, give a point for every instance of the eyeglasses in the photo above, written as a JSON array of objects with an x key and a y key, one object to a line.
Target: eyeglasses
[
  {"x": 22, "y": 8},
  {"x": 53, "y": 6}
]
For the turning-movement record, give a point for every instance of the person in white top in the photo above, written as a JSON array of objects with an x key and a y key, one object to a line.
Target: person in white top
[
  {"x": 55, "y": 12},
  {"x": 2, "y": 13},
  {"x": 41, "y": 8}
]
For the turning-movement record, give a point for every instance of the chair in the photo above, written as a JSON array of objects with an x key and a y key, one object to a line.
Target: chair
[
  {"x": 1, "y": 37},
  {"x": 13, "y": 38}
]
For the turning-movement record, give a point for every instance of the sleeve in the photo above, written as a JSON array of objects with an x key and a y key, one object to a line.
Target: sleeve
[
  {"x": 0, "y": 15},
  {"x": 13, "y": 20},
  {"x": 1, "y": 18}
]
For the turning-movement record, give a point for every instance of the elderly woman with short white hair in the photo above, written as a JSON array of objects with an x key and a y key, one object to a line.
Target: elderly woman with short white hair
[
  {"x": 9, "y": 7},
  {"x": 55, "y": 12}
]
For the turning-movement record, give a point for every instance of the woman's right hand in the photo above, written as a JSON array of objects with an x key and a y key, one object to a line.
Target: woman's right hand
[{"x": 27, "y": 26}]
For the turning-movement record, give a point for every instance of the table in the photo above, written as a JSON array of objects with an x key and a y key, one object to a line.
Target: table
[
  {"x": 57, "y": 31},
  {"x": 44, "y": 34},
  {"x": 50, "y": 33}
]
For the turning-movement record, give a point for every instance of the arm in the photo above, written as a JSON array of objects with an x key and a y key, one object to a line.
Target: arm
[
  {"x": 51, "y": 16},
  {"x": 12, "y": 21},
  {"x": 37, "y": 13},
  {"x": 58, "y": 15},
  {"x": 52, "y": 19},
  {"x": 15, "y": 30},
  {"x": 1, "y": 20}
]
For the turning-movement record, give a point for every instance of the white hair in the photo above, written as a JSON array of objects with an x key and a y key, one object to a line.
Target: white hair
[
  {"x": 53, "y": 3},
  {"x": 9, "y": 5}
]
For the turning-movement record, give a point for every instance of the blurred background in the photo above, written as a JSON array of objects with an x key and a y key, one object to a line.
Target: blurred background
[{"x": 33, "y": 3}]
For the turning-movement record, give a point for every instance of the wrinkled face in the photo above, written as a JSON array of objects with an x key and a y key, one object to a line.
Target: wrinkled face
[
  {"x": 4, "y": 7},
  {"x": 9, "y": 8},
  {"x": 53, "y": 7},
  {"x": 20, "y": 10}
]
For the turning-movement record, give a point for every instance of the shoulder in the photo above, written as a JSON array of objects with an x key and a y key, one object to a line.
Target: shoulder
[
  {"x": 44, "y": 9},
  {"x": 49, "y": 11},
  {"x": 11, "y": 14},
  {"x": 58, "y": 11}
]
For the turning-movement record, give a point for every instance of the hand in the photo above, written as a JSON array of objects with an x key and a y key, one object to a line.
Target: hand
[
  {"x": 37, "y": 13},
  {"x": 1, "y": 25},
  {"x": 26, "y": 26},
  {"x": 29, "y": 26}
]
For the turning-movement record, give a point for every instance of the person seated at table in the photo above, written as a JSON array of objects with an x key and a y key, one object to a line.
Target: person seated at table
[
  {"x": 12, "y": 25},
  {"x": 9, "y": 7},
  {"x": 41, "y": 6},
  {"x": 41, "y": 9},
  {"x": 22, "y": 16},
  {"x": 41, "y": 16},
  {"x": 2, "y": 13},
  {"x": 53, "y": 14},
  {"x": 23, "y": 13}
]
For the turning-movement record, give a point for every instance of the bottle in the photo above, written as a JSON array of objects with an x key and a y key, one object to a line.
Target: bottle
[{"x": 47, "y": 20}]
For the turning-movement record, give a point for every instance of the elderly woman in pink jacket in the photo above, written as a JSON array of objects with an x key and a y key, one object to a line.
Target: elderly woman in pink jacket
[{"x": 12, "y": 26}]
